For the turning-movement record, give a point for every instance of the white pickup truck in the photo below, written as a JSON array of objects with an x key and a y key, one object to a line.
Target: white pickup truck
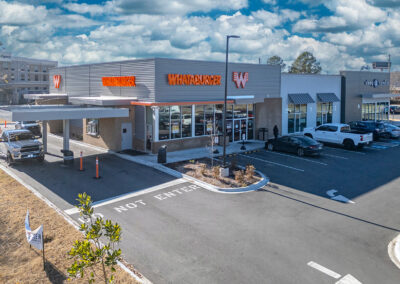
[{"x": 337, "y": 133}]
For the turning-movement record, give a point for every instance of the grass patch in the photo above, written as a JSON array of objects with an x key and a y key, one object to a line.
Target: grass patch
[{"x": 18, "y": 262}]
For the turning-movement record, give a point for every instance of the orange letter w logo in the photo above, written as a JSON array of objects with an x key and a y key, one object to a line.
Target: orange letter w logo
[
  {"x": 57, "y": 81},
  {"x": 240, "y": 78}
]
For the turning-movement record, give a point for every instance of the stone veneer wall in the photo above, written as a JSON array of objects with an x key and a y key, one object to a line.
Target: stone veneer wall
[
  {"x": 269, "y": 114},
  {"x": 109, "y": 132}
]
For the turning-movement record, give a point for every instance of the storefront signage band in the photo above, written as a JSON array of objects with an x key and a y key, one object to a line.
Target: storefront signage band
[
  {"x": 240, "y": 78},
  {"x": 196, "y": 80},
  {"x": 375, "y": 83},
  {"x": 124, "y": 81}
]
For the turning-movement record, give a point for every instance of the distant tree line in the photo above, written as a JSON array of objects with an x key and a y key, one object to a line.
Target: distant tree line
[{"x": 305, "y": 63}]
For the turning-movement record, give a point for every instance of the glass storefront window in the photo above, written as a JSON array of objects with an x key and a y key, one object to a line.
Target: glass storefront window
[
  {"x": 175, "y": 122},
  {"x": 250, "y": 110},
  {"x": 199, "y": 120},
  {"x": 164, "y": 123},
  {"x": 297, "y": 118},
  {"x": 324, "y": 113},
  {"x": 219, "y": 112},
  {"x": 186, "y": 121},
  {"x": 229, "y": 111},
  {"x": 375, "y": 111},
  {"x": 240, "y": 111},
  {"x": 209, "y": 119}
]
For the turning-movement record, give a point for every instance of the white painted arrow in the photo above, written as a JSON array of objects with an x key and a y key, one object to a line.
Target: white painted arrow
[
  {"x": 348, "y": 279},
  {"x": 340, "y": 198}
]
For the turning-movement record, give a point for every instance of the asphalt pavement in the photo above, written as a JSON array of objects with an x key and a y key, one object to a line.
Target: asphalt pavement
[{"x": 320, "y": 220}]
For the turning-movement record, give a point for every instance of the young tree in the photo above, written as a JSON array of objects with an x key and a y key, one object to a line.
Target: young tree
[
  {"x": 90, "y": 252},
  {"x": 305, "y": 63},
  {"x": 276, "y": 60}
]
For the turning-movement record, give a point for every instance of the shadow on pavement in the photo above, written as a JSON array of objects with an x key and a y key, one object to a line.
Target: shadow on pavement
[
  {"x": 118, "y": 176},
  {"x": 326, "y": 209}
]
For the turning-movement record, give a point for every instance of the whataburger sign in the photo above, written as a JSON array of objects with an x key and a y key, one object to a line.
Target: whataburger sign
[
  {"x": 124, "y": 81},
  {"x": 195, "y": 80}
]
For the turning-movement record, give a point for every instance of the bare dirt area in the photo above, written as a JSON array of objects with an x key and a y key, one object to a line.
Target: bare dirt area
[
  {"x": 207, "y": 170},
  {"x": 18, "y": 262}
]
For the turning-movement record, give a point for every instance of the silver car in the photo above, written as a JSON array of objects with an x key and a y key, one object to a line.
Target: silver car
[
  {"x": 19, "y": 145},
  {"x": 391, "y": 130}
]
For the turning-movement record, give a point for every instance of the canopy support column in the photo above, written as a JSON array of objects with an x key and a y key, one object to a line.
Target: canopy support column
[
  {"x": 44, "y": 135},
  {"x": 66, "y": 134}
]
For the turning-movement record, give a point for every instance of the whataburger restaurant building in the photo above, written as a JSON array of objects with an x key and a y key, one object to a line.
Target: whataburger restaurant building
[{"x": 178, "y": 103}]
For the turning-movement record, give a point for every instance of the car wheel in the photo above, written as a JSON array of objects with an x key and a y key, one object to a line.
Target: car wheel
[
  {"x": 348, "y": 144},
  {"x": 10, "y": 160},
  {"x": 41, "y": 159},
  {"x": 270, "y": 147},
  {"x": 300, "y": 152}
]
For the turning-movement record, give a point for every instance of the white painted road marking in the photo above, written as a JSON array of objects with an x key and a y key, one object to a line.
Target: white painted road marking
[
  {"x": 334, "y": 156},
  {"x": 348, "y": 279},
  {"x": 162, "y": 196},
  {"x": 341, "y": 198},
  {"x": 344, "y": 150},
  {"x": 299, "y": 158},
  {"x": 273, "y": 163},
  {"x": 324, "y": 269},
  {"x": 129, "y": 195}
]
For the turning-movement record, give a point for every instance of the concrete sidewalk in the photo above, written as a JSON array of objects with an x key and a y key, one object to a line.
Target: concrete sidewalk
[{"x": 198, "y": 153}]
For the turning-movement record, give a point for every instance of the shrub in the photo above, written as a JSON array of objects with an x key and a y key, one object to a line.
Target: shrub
[
  {"x": 215, "y": 171},
  {"x": 250, "y": 171},
  {"x": 203, "y": 169},
  {"x": 240, "y": 178}
]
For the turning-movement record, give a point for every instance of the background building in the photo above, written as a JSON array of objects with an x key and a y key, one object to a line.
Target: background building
[
  {"x": 365, "y": 95},
  {"x": 20, "y": 75},
  {"x": 309, "y": 100}
]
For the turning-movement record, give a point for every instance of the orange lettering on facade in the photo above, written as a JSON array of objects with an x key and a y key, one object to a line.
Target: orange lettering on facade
[
  {"x": 125, "y": 81},
  {"x": 193, "y": 80}
]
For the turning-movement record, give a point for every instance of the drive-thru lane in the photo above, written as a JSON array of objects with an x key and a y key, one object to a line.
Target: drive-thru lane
[{"x": 183, "y": 233}]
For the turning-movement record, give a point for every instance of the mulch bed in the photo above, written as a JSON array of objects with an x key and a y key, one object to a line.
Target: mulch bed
[{"x": 202, "y": 169}]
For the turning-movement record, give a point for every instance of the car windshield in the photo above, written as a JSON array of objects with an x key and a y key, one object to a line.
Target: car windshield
[
  {"x": 20, "y": 136},
  {"x": 307, "y": 140},
  {"x": 28, "y": 122}
]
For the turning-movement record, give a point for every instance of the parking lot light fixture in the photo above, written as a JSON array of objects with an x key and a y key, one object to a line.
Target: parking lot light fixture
[{"x": 226, "y": 95}]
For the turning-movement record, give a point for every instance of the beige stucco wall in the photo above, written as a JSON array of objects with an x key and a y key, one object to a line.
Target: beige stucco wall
[
  {"x": 109, "y": 136},
  {"x": 269, "y": 114}
]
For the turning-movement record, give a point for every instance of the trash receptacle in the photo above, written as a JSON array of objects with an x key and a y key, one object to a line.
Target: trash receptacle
[
  {"x": 262, "y": 131},
  {"x": 162, "y": 154},
  {"x": 68, "y": 157}
]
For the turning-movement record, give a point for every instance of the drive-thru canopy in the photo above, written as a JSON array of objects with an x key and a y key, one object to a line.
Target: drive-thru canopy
[{"x": 58, "y": 112}]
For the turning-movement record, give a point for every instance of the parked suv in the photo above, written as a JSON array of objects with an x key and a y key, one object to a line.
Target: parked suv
[
  {"x": 20, "y": 144},
  {"x": 32, "y": 126},
  {"x": 376, "y": 128}
]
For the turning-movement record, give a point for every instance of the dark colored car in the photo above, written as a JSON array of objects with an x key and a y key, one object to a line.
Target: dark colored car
[
  {"x": 393, "y": 109},
  {"x": 376, "y": 128},
  {"x": 299, "y": 144},
  {"x": 32, "y": 126}
]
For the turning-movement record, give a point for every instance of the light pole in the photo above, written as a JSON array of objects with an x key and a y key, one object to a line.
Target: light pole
[{"x": 226, "y": 94}]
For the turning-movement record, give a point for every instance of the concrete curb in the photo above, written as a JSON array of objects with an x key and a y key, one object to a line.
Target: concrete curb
[
  {"x": 394, "y": 251},
  {"x": 177, "y": 174},
  {"x": 67, "y": 218}
]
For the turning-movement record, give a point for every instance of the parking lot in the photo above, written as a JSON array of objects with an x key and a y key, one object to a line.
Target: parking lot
[{"x": 339, "y": 210}]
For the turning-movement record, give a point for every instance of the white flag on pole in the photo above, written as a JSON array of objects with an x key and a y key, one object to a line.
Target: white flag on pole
[{"x": 34, "y": 238}]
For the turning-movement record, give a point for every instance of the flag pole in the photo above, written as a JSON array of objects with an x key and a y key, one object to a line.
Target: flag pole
[{"x": 44, "y": 262}]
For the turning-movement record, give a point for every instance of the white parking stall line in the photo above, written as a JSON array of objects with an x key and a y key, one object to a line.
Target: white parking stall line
[
  {"x": 129, "y": 195},
  {"x": 273, "y": 163},
  {"x": 335, "y": 156},
  {"x": 299, "y": 158},
  {"x": 344, "y": 150},
  {"x": 324, "y": 269}
]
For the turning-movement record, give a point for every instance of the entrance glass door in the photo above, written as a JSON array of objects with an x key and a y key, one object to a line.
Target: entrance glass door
[{"x": 236, "y": 131}]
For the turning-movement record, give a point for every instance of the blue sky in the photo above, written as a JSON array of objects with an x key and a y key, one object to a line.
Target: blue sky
[{"x": 342, "y": 34}]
